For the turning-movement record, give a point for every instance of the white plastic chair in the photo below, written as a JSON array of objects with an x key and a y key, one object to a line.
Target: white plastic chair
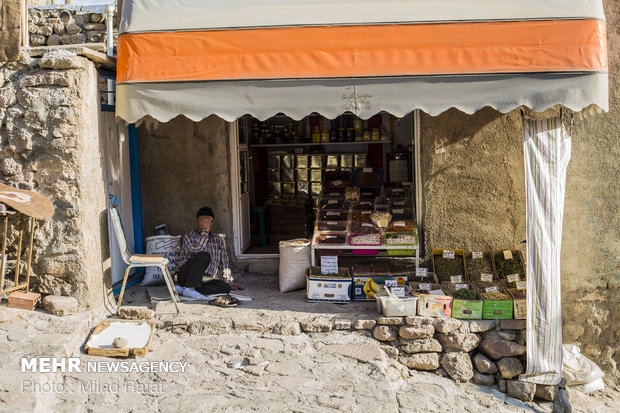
[{"x": 140, "y": 260}]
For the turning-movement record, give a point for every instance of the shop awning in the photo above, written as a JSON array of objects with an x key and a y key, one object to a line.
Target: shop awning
[{"x": 203, "y": 57}]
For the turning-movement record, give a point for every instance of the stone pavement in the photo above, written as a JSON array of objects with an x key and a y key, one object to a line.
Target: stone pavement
[{"x": 305, "y": 372}]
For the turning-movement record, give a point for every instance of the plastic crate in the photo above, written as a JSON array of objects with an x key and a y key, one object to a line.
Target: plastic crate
[{"x": 400, "y": 252}]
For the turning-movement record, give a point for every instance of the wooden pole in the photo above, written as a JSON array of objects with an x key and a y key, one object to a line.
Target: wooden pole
[
  {"x": 3, "y": 258},
  {"x": 30, "y": 254},
  {"x": 19, "y": 248}
]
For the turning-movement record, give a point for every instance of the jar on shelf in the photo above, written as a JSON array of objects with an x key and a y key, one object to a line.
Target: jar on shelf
[{"x": 376, "y": 135}]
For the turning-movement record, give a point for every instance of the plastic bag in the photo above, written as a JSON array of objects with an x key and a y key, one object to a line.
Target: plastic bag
[
  {"x": 294, "y": 262},
  {"x": 170, "y": 247},
  {"x": 580, "y": 371}
]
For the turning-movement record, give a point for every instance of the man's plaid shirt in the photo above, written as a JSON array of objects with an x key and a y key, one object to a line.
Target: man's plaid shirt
[{"x": 196, "y": 241}]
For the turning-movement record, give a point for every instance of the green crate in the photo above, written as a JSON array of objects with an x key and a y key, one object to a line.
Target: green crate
[
  {"x": 401, "y": 253},
  {"x": 467, "y": 309},
  {"x": 497, "y": 310}
]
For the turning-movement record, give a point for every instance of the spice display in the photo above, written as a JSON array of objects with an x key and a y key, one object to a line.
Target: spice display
[
  {"x": 366, "y": 239},
  {"x": 401, "y": 226},
  {"x": 518, "y": 294},
  {"x": 494, "y": 295},
  {"x": 478, "y": 265},
  {"x": 382, "y": 204},
  {"x": 337, "y": 184},
  {"x": 364, "y": 228},
  {"x": 507, "y": 267},
  {"x": 352, "y": 194},
  {"x": 401, "y": 239},
  {"x": 402, "y": 214},
  {"x": 446, "y": 267},
  {"x": 365, "y": 178},
  {"x": 381, "y": 219},
  {"x": 330, "y": 239},
  {"x": 361, "y": 216},
  {"x": 331, "y": 225},
  {"x": 326, "y": 215},
  {"x": 465, "y": 294},
  {"x": 364, "y": 206},
  {"x": 368, "y": 194},
  {"x": 333, "y": 205}
]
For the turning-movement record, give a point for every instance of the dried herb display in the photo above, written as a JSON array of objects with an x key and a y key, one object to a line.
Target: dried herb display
[
  {"x": 478, "y": 266},
  {"x": 465, "y": 294},
  {"x": 401, "y": 226},
  {"x": 364, "y": 228},
  {"x": 494, "y": 295},
  {"x": 360, "y": 216},
  {"x": 506, "y": 267},
  {"x": 518, "y": 294},
  {"x": 331, "y": 225},
  {"x": 330, "y": 239},
  {"x": 446, "y": 268}
]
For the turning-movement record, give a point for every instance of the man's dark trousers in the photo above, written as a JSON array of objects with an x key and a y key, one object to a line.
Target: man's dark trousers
[{"x": 190, "y": 276}]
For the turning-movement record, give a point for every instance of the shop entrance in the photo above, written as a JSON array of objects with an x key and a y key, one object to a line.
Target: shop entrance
[{"x": 279, "y": 166}]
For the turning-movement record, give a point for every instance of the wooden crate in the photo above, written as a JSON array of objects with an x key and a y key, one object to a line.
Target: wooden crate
[
  {"x": 24, "y": 300},
  {"x": 117, "y": 352}
]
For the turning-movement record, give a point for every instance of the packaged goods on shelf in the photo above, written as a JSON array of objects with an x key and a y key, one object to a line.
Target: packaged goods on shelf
[
  {"x": 479, "y": 266},
  {"x": 466, "y": 304},
  {"x": 361, "y": 216},
  {"x": 274, "y": 189},
  {"x": 332, "y": 161},
  {"x": 288, "y": 161},
  {"x": 316, "y": 188},
  {"x": 274, "y": 161},
  {"x": 288, "y": 174},
  {"x": 382, "y": 219},
  {"x": 346, "y": 161},
  {"x": 273, "y": 175},
  {"x": 449, "y": 264},
  {"x": 316, "y": 161},
  {"x": 288, "y": 188},
  {"x": 359, "y": 160},
  {"x": 316, "y": 175},
  {"x": 509, "y": 266},
  {"x": 302, "y": 189},
  {"x": 352, "y": 194},
  {"x": 302, "y": 161},
  {"x": 302, "y": 174}
]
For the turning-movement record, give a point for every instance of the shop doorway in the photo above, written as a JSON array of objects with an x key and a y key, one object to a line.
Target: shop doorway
[{"x": 278, "y": 166}]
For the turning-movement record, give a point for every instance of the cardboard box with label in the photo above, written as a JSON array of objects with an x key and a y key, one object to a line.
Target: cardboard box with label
[
  {"x": 432, "y": 302},
  {"x": 328, "y": 288}
]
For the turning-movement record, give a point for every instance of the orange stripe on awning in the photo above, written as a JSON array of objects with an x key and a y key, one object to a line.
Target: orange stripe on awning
[{"x": 361, "y": 51}]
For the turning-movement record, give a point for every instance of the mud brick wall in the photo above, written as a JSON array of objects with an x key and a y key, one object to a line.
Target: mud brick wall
[{"x": 49, "y": 143}]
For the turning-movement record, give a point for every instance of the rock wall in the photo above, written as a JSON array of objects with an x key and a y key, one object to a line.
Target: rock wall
[
  {"x": 49, "y": 143},
  {"x": 51, "y": 27},
  {"x": 475, "y": 198}
]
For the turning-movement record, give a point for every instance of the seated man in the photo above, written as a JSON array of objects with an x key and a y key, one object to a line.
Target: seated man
[{"x": 203, "y": 253}]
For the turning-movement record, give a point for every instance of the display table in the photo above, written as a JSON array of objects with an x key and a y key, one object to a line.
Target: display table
[{"x": 315, "y": 247}]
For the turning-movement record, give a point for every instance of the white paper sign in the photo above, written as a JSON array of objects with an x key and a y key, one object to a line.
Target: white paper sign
[
  {"x": 448, "y": 254},
  {"x": 366, "y": 224},
  {"x": 332, "y": 222},
  {"x": 421, "y": 272},
  {"x": 507, "y": 254},
  {"x": 512, "y": 278},
  {"x": 399, "y": 223},
  {"x": 456, "y": 279},
  {"x": 398, "y": 211},
  {"x": 493, "y": 289},
  {"x": 332, "y": 201},
  {"x": 476, "y": 254},
  {"x": 522, "y": 285},
  {"x": 366, "y": 212},
  {"x": 332, "y": 213},
  {"x": 329, "y": 264},
  {"x": 424, "y": 287},
  {"x": 391, "y": 283},
  {"x": 398, "y": 291},
  {"x": 486, "y": 277},
  {"x": 367, "y": 170},
  {"x": 461, "y": 287},
  {"x": 338, "y": 182},
  {"x": 399, "y": 203}
]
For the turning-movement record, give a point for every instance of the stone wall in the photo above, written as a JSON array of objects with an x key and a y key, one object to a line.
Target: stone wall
[
  {"x": 475, "y": 198},
  {"x": 49, "y": 143},
  {"x": 51, "y": 27}
]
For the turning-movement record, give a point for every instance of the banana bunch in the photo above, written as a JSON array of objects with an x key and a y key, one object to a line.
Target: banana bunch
[{"x": 371, "y": 288}]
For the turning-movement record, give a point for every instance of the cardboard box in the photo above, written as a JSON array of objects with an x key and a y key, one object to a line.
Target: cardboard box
[
  {"x": 431, "y": 305},
  {"x": 359, "y": 281},
  {"x": 494, "y": 309},
  {"x": 520, "y": 303},
  {"x": 24, "y": 300},
  {"x": 463, "y": 309},
  {"x": 322, "y": 288}
]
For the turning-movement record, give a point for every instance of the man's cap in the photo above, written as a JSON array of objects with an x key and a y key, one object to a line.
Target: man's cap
[{"x": 205, "y": 211}]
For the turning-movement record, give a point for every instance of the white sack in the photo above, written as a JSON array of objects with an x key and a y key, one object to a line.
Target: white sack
[
  {"x": 170, "y": 247},
  {"x": 580, "y": 371},
  {"x": 294, "y": 262}
]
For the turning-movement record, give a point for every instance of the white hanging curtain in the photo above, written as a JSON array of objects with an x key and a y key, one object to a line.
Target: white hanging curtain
[{"x": 547, "y": 149}]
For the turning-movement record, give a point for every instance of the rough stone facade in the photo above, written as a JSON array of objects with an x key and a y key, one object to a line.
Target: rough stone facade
[
  {"x": 51, "y": 27},
  {"x": 49, "y": 143},
  {"x": 474, "y": 189}
]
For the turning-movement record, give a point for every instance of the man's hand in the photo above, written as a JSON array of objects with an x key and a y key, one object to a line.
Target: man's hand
[
  {"x": 205, "y": 223},
  {"x": 237, "y": 287}
]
